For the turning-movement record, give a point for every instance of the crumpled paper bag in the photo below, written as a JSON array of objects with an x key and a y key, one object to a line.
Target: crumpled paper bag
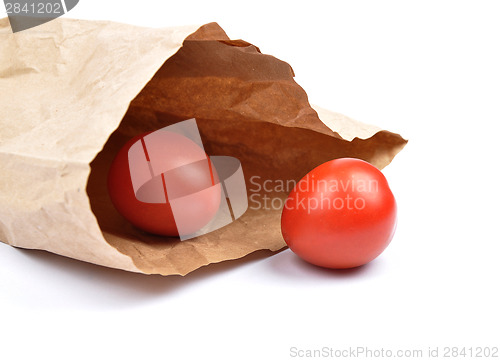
[{"x": 73, "y": 92}]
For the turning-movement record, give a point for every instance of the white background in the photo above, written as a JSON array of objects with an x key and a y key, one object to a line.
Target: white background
[{"x": 428, "y": 70}]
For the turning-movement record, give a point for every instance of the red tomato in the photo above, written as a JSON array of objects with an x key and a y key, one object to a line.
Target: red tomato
[
  {"x": 164, "y": 183},
  {"x": 342, "y": 214}
]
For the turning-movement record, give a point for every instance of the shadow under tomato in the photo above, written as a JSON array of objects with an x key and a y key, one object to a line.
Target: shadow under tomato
[{"x": 289, "y": 265}]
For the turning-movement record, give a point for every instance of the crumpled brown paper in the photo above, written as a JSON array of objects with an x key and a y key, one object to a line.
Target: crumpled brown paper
[{"x": 73, "y": 92}]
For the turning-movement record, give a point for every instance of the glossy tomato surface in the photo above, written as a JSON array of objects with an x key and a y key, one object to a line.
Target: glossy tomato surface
[
  {"x": 342, "y": 214},
  {"x": 164, "y": 183}
]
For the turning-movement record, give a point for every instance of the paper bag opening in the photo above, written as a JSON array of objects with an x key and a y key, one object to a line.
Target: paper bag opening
[{"x": 248, "y": 106}]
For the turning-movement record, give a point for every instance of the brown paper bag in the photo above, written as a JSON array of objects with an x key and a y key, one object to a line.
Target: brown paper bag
[{"x": 73, "y": 92}]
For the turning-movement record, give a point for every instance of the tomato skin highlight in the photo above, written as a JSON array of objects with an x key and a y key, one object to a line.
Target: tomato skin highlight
[{"x": 342, "y": 214}]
